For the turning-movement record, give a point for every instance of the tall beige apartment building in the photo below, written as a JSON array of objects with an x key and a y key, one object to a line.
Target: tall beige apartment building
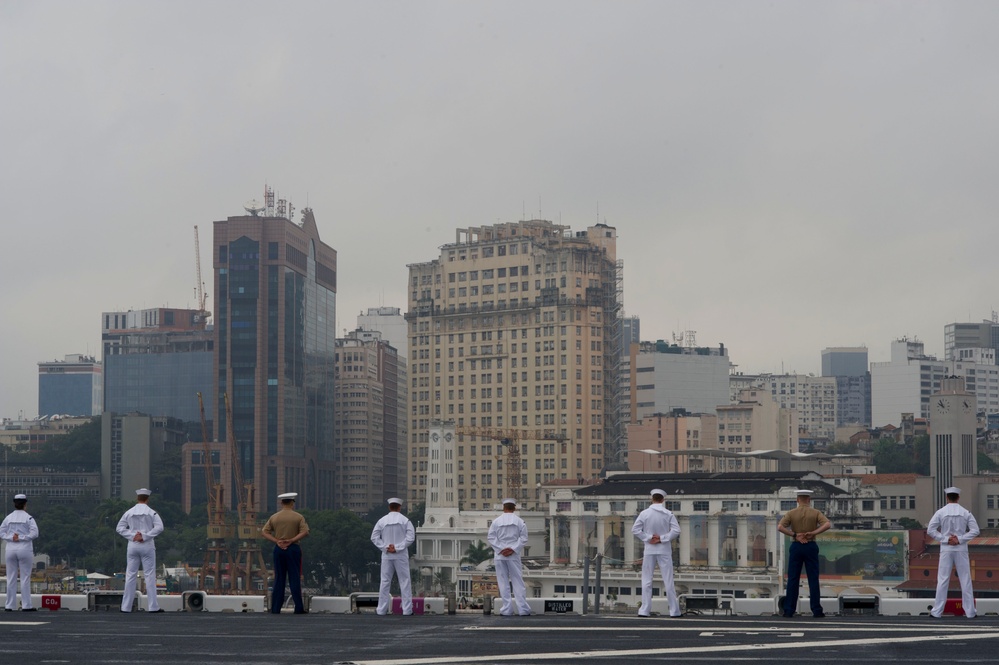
[{"x": 513, "y": 335}]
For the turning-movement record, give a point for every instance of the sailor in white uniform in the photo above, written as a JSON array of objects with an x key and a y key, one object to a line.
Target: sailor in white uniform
[
  {"x": 140, "y": 525},
  {"x": 657, "y": 527},
  {"x": 953, "y": 526},
  {"x": 19, "y": 531},
  {"x": 393, "y": 534},
  {"x": 508, "y": 535}
]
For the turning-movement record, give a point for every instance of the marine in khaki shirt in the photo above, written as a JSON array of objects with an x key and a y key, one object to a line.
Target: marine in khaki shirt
[
  {"x": 285, "y": 528},
  {"x": 803, "y": 523}
]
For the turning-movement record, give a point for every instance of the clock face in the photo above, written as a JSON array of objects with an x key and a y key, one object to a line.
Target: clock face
[
  {"x": 435, "y": 436},
  {"x": 966, "y": 405},
  {"x": 447, "y": 437},
  {"x": 942, "y": 406}
]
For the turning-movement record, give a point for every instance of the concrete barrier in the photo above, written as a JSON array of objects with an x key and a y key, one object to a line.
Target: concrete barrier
[
  {"x": 572, "y": 605},
  {"x": 330, "y": 604},
  {"x": 754, "y": 606},
  {"x": 235, "y": 603},
  {"x": 167, "y": 602}
]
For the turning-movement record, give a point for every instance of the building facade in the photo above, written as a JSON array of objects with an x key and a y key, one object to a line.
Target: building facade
[
  {"x": 131, "y": 446},
  {"x": 275, "y": 321},
  {"x": 668, "y": 377},
  {"x": 70, "y": 387},
  {"x": 757, "y": 422},
  {"x": 984, "y": 335},
  {"x": 853, "y": 384},
  {"x": 514, "y": 334},
  {"x": 156, "y": 361},
  {"x": 370, "y": 421},
  {"x": 907, "y": 383},
  {"x": 659, "y": 433},
  {"x": 390, "y": 322}
]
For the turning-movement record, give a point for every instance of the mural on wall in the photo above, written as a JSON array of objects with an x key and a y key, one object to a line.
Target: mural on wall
[
  {"x": 562, "y": 547},
  {"x": 756, "y": 540},
  {"x": 860, "y": 555},
  {"x": 614, "y": 535},
  {"x": 698, "y": 540},
  {"x": 728, "y": 548},
  {"x": 588, "y": 541}
]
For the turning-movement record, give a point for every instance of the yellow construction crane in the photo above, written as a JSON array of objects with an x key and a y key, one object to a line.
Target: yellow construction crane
[
  {"x": 216, "y": 552},
  {"x": 247, "y": 529},
  {"x": 510, "y": 438}
]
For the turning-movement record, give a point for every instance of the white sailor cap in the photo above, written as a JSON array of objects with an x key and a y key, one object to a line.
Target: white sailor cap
[
  {"x": 288, "y": 495},
  {"x": 661, "y": 493},
  {"x": 20, "y": 497},
  {"x": 952, "y": 490},
  {"x": 508, "y": 501},
  {"x": 804, "y": 492},
  {"x": 395, "y": 500},
  {"x": 142, "y": 491}
]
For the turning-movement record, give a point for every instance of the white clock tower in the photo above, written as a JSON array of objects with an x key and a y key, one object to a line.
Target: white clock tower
[{"x": 953, "y": 424}]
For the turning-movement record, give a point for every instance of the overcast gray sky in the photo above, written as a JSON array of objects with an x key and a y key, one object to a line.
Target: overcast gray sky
[{"x": 783, "y": 176}]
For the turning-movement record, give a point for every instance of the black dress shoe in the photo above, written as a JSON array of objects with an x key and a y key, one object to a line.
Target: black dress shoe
[
  {"x": 818, "y": 616},
  {"x": 29, "y": 609},
  {"x": 156, "y": 611}
]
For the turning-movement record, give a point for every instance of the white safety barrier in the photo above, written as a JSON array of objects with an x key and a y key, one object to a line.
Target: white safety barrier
[
  {"x": 167, "y": 603},
  {"x": 435, "y": 605},
  {"x": 56, "y": 601},
  {"x": 330, "y": 604},
  {"x": 235, "y": 603},
  {"x": 550, "y": 605},
  {"x": 754, "y": 606}
]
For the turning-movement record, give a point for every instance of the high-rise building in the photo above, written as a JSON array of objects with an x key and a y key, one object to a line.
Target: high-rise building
[
  {"x": 370, "y": 421},
  {"x": 70, "y": 387},
  {"x": 659, "y": 433},
  {"x": 667, "y": 377},
  {"x": 756, "y": 422},
  {"x": 156, "y": 361},
  {"x": 813, "y": 399},
  {"x": 390, "y": 322},
  {"x": 984, "y": 335},
  {"x": 131, "y": 446},
  {"x": 275, "y": 322},
  {"x": 514, "y": 334},
  {"x": 844, "y": 361},
  {"x": 907, "y": 383},
  {"x": 853, "y": 384}
]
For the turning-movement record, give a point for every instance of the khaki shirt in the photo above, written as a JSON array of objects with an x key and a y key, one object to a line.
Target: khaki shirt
[
  {"x": 803, "y": 519},
  {"x": 285, "y": 525}
]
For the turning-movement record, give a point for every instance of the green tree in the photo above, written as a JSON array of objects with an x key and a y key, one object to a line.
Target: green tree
[
  {"x": 985, "y": 463},
  {"x": 909, "y": 523},
  {"x": 338, "y": 556},
  {"x": 890, "y": 457},
  {"x": 921, "y": 455},
  {"x": 477, "y": 552}
]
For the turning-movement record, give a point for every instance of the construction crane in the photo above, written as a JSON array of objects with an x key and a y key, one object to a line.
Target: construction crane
[
  {"x": 216, "y": 552},
  {"x": 510, "y": 438},
  {"x": 199, "y": 288},
  {"x": 247, "y": 529}
]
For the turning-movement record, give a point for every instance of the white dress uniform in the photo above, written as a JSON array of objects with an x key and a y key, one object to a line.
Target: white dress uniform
[
  {"x": 508, "y": 530},
  {"x": 20, "y": 554},
  {"x": 394, "y": 529},
  {"x": 953, "y": 520},
  {"x": 656, "y": 520},
  {"x": 140, "y": 519}
]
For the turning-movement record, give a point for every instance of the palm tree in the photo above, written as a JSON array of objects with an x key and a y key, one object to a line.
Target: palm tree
[{"x": 477, "y": 552}]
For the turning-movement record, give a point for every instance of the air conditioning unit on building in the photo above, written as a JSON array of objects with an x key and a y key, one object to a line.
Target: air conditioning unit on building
[{"x": 194, "y": 601}]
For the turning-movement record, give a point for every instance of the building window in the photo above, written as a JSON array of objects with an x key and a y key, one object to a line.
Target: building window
[
  {"x": 590, "y": 506},
  {"x": 700, "y": 506}
]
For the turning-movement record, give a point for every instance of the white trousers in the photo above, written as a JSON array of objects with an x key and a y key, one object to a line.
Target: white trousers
[
  {"x": 399, "y": 566},
  {"x": 949, "y": 560},
  {"x": 508, "y": 572},
  {"x": 144, "y": 553},
  {"x": 19, "y": 558},
  {"x": 665, "y": 563}
]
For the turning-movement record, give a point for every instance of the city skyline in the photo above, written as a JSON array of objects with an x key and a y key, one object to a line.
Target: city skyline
[{"x": 782, "y": 178}]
